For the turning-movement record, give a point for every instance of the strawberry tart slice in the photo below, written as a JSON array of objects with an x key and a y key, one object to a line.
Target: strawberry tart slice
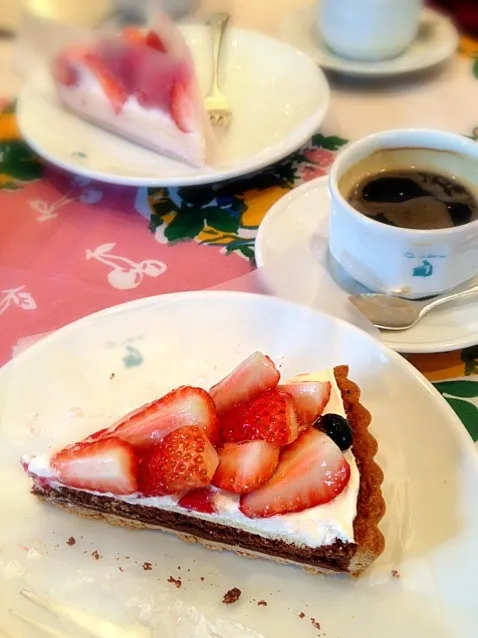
[
  {"x": 141, "y": 85},
  {"x": 281, "y": 471}
]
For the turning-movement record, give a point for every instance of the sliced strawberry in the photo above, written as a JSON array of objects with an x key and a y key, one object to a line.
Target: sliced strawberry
[
  {"x": 182, "y": 108},
  {"x": 185, "y": 406},
  {"x": 134, "y": 34},
  {"x": 254, "y": 375},
  {"x": 64, "y": 71},
  {"x": 106, "y": 465},
  {"x": 154, "y": 42},
  {"x": 310, "y": 399},
  {"x": 312, "y": 471},
  {"x": 138, "y": 36},
  {"x": 184, "y": 460},
  {"x": 199, "y": 500},
  {"x": 111, "y": 85},
  {"x": 243, "y": 467},
  {"x": 270, "y": 417}
]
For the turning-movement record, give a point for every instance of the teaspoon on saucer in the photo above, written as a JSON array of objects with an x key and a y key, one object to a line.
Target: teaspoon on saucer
[{"x": 396, "y": 313}]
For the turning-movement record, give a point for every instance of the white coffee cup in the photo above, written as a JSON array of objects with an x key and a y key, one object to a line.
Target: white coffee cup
[
  {"x": 411, "y": 263},
  {"x": 368, "y": 30}
]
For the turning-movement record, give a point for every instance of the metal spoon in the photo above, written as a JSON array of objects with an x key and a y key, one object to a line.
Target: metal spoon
[{"x": 395, "y": 313}]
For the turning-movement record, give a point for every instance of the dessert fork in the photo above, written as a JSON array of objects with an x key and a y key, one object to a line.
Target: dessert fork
[
  {"x": 216, "y": 102},
  {"x": 89, "y": 625}
]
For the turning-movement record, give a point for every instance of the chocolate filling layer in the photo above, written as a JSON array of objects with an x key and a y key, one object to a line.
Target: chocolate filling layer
[{"x": 335, "y": 557}]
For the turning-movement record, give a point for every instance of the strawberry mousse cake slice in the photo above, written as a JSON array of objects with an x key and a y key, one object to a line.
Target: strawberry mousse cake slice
[
  {"x": 141, "y": 85},
  {"x": 279, "y": 471}
]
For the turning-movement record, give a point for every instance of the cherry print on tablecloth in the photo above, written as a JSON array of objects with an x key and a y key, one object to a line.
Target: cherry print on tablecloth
[
  {"x": 125, "y": 274},
  {"x": 16, "y": 297},
  {"x": 80, "y": 190}
]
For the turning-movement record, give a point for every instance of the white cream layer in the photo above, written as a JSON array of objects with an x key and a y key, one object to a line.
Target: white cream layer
[{"x": 314, "y": 527}]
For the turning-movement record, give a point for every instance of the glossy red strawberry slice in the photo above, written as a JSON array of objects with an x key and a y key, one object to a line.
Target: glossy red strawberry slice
[
  {"x": 243, "y": 467},
  {"x": 148, "y": 38},
  {"x": 64, "y": 71},
  {"x": 310, "y": 399},
  {"x": 110, "y": 83},
  {"x": 185, "y": 406},
  {"x": 270, "y": 417},
  {"x": 184, "y": 460},
  {"x": 199, "y": 500},
  {"x": 106, "y": 465},
  {"x": 252, "y": 377},
  {"x": 182, "y": 108},
  {"x": 312, "y": 471}
]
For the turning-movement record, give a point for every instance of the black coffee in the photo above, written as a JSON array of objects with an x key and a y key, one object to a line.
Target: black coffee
[{"x": 415, "y": 199}]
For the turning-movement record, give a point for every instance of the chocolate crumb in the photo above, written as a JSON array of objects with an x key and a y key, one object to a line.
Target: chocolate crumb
[
  {"x": 112, "y": 376},
  {"x": 315, "y": 623},
  {"x": 71, "y": 541},
  {"x": 202, "y": 578},
  {"x": 262, "y": 603},
  {"x": 96, "y": 555},
  {"x": 121, "y": 569},
  {"x": 175, "y": 581},
  {"x": 301, "y": 615},
  {"x": 179, "y": 567},
  {"x": 147, "y": 567},
  {"x": 395, "y": 574},
  {"x": 232, "y": 596}
]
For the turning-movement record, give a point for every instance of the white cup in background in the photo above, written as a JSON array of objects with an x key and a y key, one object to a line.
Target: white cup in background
[
  {"x": 368, "y": 30},
  {"x": 411, "y": 263}
]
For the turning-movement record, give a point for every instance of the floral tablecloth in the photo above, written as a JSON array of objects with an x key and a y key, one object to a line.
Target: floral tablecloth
[{"x": 70, "y": 246}]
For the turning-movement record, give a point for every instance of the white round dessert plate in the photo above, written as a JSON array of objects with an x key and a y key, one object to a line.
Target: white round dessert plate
[
  {"x": 87, "y": 374},
  {"x": 437, "y": 40},
  {"x": 278, "y": 97},
  {"x": 296, "y": 222}
]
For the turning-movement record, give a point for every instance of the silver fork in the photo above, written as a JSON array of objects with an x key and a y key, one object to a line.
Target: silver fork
[
  {"x": 89, "y": 625},
  {"x": 216, "y": 102}
]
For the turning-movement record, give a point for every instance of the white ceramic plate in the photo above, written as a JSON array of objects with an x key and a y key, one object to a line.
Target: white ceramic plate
[
  {"x": 278, "y": 97},
  {"x": 291, "y": 225},
  {"x": 61, "y": 388},
  {"x": 436, "y": 42}
]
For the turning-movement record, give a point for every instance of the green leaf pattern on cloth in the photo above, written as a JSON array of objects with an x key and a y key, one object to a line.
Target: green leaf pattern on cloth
[
  {"x": 462, "y": 395},
  {"x": 228, "y": 215}
]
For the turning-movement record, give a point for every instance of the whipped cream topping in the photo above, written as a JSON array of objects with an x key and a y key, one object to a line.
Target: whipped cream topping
[{"x": 313, "y": 527}]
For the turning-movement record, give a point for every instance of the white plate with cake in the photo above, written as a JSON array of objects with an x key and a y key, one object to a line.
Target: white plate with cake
[
  {"x": 128, "y": 108},
  {"x": 263, "y": 461},
  {"x": 296, "y": 229}
]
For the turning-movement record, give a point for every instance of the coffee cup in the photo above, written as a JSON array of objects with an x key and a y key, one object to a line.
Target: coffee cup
[
  {"x": 368, "y": 30},
  {"x": 404, "y": 261}
]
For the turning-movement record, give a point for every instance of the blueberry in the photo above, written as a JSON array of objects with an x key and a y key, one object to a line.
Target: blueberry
[{"x": 337, "y": 428}]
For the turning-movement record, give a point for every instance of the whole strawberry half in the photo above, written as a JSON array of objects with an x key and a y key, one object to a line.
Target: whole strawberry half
[
  {"x": 243, "y": 467},
  {"x": 105, "y": 465},
  {"x": 254, "y": 375},
  {"x": 309, "y": 398},
  {"x": 185, "y": 406},
  {"x": 312, "y": 471},
  {"x": 184, "y": 460},
  {"x": 270, "y": 417}
]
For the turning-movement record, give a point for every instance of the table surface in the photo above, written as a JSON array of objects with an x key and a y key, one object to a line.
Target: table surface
[{"x": 69, "y": 246}]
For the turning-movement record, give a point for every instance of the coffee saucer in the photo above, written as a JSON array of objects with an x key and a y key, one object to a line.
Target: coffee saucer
[
  {"x": 437, "y": 40},
  {"x": 297, "y": 225}
]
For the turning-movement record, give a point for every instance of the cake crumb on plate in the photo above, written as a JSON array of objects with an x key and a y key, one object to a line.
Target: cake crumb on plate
[
  {"x": 71, "y": 541},
  {"x": 261, "y": 603},
  {"x": 232, "y": 596},
  {"x": 176, "y": 581},
  {"x": 147, "y": 567}
]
